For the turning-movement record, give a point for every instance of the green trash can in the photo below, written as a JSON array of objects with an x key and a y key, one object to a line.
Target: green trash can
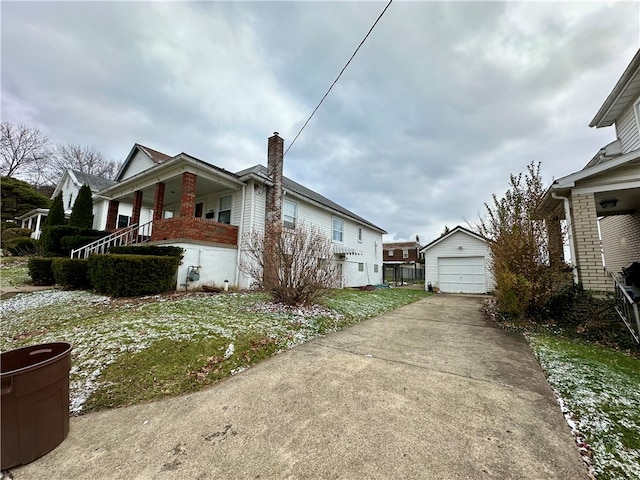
[{"x": 34, "y": 401}]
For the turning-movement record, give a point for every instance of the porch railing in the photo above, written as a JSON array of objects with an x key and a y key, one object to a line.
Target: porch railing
[
  {"x": 124, "y": 236},
  {"x": 626, "y": 307}
]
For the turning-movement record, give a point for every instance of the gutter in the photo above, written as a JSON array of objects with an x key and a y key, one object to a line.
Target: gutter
[{"x": 572, "y": 248}]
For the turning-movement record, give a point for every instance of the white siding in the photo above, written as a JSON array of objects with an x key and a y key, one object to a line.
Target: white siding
[
  {"x": 139, "y": 163},
  {"x": 217, "y": 265},
  {"x": 458, "y": 244},
  {"x": 627, "y": 130}
]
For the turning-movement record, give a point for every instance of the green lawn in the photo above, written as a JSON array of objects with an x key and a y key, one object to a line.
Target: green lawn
[
  {"x": 128, "y": 351},
  {"x": 14, "y": 272},
  {"x": 601, "y": 388}
]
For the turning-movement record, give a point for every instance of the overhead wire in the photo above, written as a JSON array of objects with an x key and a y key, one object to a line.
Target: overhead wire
[{"x": 338, "y": 77}]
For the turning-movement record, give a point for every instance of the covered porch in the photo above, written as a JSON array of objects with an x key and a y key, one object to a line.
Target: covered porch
[
  {"x": 186, "y": 200},
  {"x": 600, "y": 209}
]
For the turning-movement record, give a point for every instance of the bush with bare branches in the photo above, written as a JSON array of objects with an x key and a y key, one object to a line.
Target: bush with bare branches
[{"x": 294, "y": 265}]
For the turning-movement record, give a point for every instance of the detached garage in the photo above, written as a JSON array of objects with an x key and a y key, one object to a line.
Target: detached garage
[{"x": 459, "y": 262}]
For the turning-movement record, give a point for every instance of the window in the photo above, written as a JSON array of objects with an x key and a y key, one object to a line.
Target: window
[
  {"x": 361, "y": 267},
  {"x": 70, "y": 198},
  {"x": 405, "y": 253},
  {"x": 360, "y": 234},
  {"x": 123, "y": 221},
  {"x": 338, "y": 230},
  {"x": 391, "y": 253},
  {"x": 199, "y": 208},
  {"x": 290, "y": 214},
  {"x": 224, "y": 214},
  {"x": 375, "y": 268}
]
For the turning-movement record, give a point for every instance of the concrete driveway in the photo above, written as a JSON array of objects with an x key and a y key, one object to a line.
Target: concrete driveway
[{"x": 426, "y": 391}]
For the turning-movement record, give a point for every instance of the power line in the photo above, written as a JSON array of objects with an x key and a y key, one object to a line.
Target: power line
[{"x": 338, "y": 77}]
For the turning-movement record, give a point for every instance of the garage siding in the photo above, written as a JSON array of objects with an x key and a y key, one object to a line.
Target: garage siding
[{"x": 457, "y": 245}]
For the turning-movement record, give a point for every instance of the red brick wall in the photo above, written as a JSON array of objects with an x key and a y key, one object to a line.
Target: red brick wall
[
  {"x": 137, "y": 206},
  {"x": 188, "y": 198},
  {"x": 199, "y": 229},
  {"x": 112, "y": 214},
  {"x": 158, "y": 201}
]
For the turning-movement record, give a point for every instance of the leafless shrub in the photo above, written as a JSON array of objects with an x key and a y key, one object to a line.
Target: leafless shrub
[{"x": 294, "y": 265}]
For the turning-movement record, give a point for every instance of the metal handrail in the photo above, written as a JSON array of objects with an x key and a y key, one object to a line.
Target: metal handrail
[
  {"x": 126, "y": 236},
  {"x": 627, "y": 308}
]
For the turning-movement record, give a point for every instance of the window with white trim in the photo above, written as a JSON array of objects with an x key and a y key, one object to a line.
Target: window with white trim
[
  {"x": 375, "y": 268},
  {"x": 405, "y": 253},
  {"x": 290, "y": 214},
  {"x": 338, "y": 230},
  {"x": 123, "y": 221},
  {"x": 224, "y": 212},
  {"x": 391, "y": 253},
  {"x": 361, "y": 267},
  {"x": 360, "y": 234}
]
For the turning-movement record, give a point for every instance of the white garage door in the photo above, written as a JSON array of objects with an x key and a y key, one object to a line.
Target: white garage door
[{"x": 462, "y": 275}]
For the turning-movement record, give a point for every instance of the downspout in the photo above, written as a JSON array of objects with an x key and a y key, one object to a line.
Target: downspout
[
  {"x": 572, "y": 248},
  {"x": 240, "y": 228}
]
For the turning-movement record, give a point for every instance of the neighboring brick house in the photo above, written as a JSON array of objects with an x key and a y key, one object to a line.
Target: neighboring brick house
[
  {"x": 600, "y": 204},
  {"x": 205, "y": 209},
  {"x": 402, "y": 261}
]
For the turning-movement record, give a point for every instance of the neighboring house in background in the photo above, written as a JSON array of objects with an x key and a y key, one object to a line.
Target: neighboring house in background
[
  {"x": 601, "y": 203},
  {"x": 402, "y": 261},
  {"x": 459, "y": 262},
  {"x": 206, "y": 210},
  {"x": 69, "y": 185}
]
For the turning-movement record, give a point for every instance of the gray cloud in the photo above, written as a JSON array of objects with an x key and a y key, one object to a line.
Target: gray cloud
[{"x": 442, "y": 103}]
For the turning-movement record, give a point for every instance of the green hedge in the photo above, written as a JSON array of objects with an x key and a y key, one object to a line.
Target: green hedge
[
  {"x": 12, "y": 233},
  {"x": 132, "y": 275},
  {"x": 41, "y": 270},
  {"x": 59, "y": 240},
  {"x": 156, "y": 250},
  {"x": 21, "y": 247},
  {"x": 71, "y": 273}
]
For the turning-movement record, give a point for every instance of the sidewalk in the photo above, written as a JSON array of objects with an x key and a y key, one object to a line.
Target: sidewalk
[
  {"x": 426, "y": 391},
  {"x": 8, "y": 292}
]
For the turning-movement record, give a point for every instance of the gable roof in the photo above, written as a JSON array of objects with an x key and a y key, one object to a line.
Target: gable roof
[
  {"x": 451, "y": 232},
  {"x": 260, "y": 172},
  {"x": 154, "y": 155},
  {"x": 79, "y": 179},
  {"x": 624, "y": 92}
]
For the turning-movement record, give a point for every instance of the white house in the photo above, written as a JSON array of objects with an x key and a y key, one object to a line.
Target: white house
[
  {"x": 601, "y": 203},
  {"x": 459, "y": 262},
  {"x": 206, "y": 210}
]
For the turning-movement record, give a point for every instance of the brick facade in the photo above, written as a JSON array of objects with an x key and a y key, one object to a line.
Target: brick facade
[
  {"x": 158, "y": 202},
  {"x": 198, "y": 229},
  {"x": 112, "y": 215},
  {"x": 137, "y": 207},
  {"x": 188, "y": 197},
  {"x": 591, "y": 272},
  {"x": 398, "y": 250},
  {"x": 620, "y": 240}
]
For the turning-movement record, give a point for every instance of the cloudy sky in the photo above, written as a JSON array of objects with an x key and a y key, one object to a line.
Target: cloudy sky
[{"x": 441, "y": 104}]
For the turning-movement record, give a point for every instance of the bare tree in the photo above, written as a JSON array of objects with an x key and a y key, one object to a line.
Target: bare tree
[
  {"x": 300, "y": 259},
  {"x": 23, "y": 150},
  {"x": 82, "y": 159}
]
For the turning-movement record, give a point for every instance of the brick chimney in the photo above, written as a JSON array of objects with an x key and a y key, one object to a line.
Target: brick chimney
[
  {"x": 273, "y": 214},
  {"x": 275, "y": 153}
]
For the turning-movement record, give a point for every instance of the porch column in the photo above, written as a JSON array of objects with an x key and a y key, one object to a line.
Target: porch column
[
  {"x": 158, "y": 202},
  {"x": 555, "y": 244},
  {"x": 188, "y": 197},
  {"x": 112, "y": 214},
  {"x": 38, "y": 226},
  {"x": 137, "y": 206},
  {"x": 591, "y": 272}
]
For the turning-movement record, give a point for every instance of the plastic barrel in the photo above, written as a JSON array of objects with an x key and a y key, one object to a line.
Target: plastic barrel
[{"x": 35, "y": 401}]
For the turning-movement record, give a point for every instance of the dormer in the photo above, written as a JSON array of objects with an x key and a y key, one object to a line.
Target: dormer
[{"x": 622, "y": 108}]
